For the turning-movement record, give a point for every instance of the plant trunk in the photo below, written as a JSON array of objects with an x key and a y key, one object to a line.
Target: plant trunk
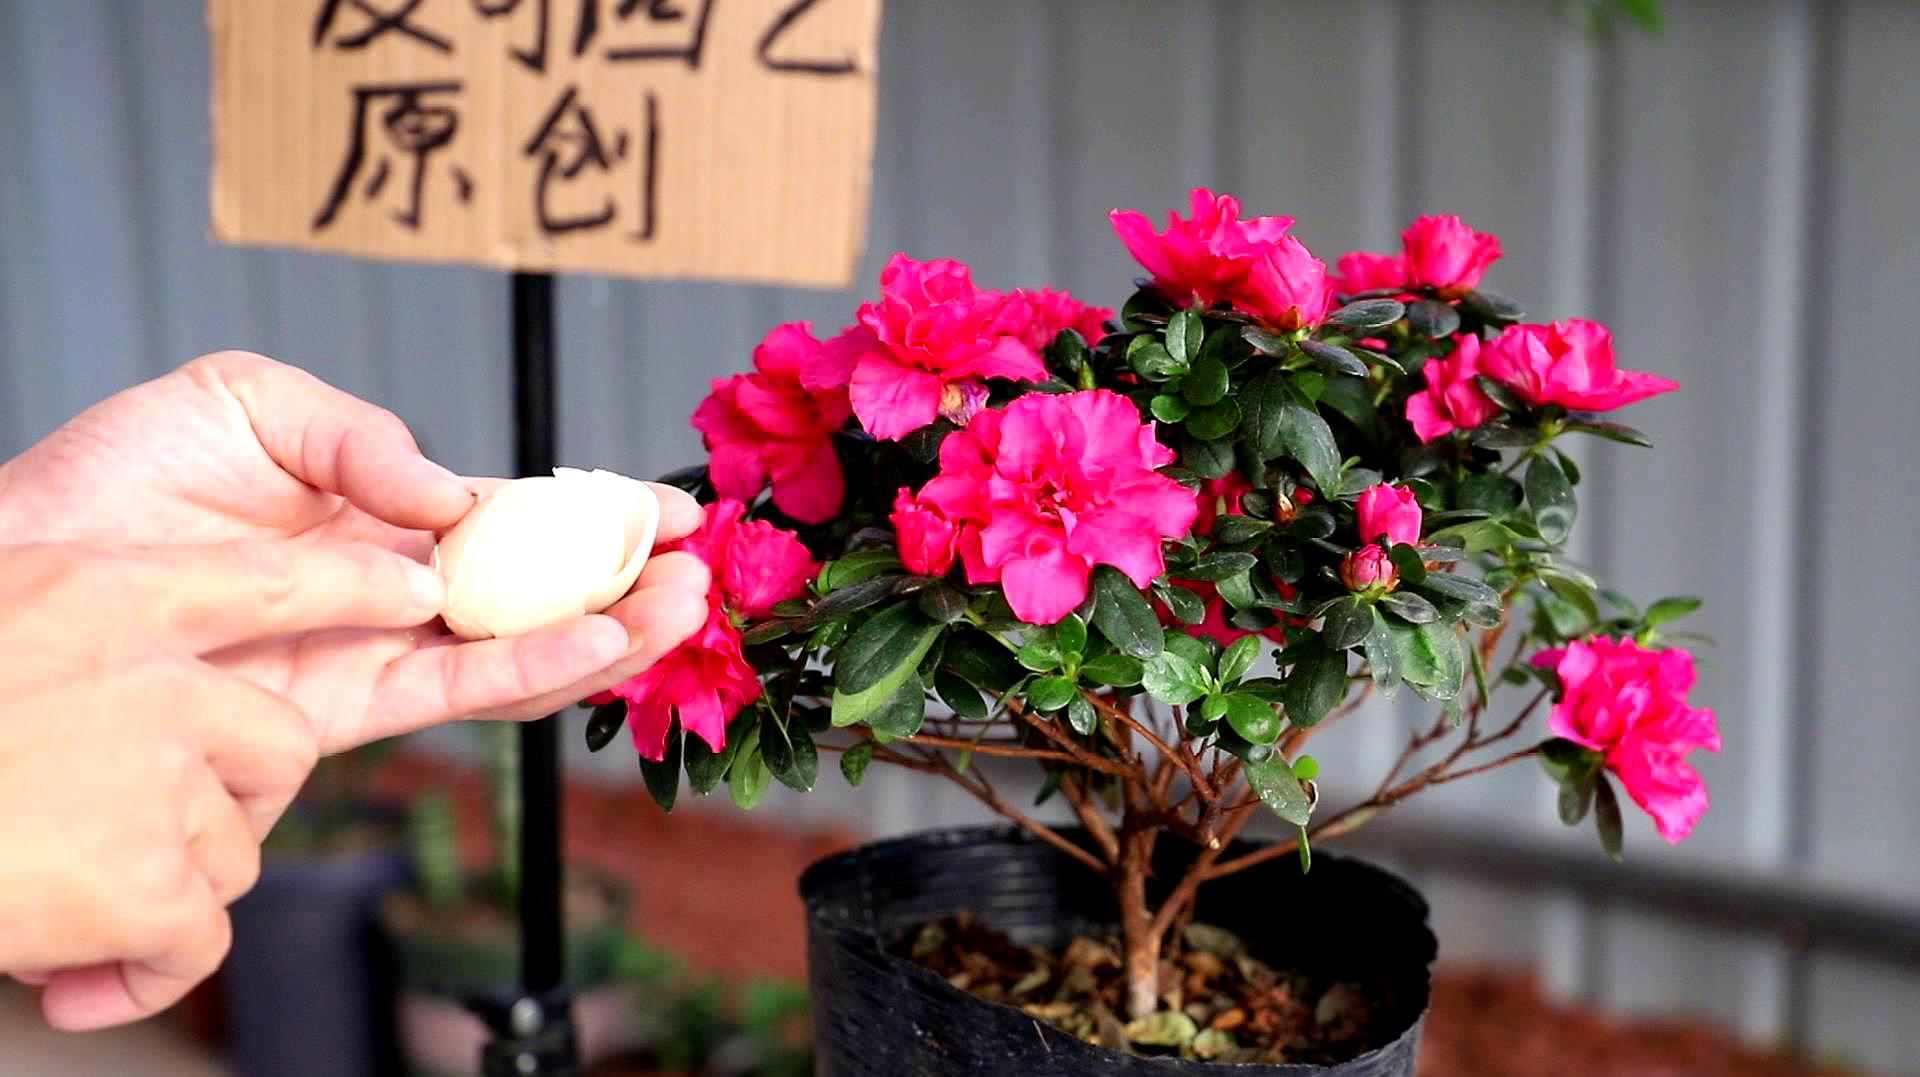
[{"x": 1139, "y": 940}]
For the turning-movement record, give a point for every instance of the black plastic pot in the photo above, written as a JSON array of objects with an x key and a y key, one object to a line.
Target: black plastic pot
[
  {"x": 307, "y": 990},
  {"x": 876, "y": 1015}
]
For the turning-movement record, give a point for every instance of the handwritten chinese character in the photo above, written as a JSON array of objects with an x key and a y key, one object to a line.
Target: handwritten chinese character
[
  {"x": 567, "y": 144},
  {"x": 536, "y": 56},
  {"x": 414, "y": 129},
  {"x": 648, "y": 30},
  {"x": 382, "y": 17}
]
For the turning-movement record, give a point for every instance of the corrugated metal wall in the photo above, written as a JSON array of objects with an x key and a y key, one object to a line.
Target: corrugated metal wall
[{"x": 1736, "y": 199}]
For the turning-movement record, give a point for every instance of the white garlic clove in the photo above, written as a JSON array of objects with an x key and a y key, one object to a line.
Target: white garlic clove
[{"x": 541, "y": 550}]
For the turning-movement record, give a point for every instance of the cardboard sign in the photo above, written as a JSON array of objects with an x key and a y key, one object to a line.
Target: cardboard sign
[{"x": 694, "y": 138}]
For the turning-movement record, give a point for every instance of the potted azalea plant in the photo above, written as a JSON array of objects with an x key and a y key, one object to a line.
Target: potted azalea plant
[{"x": 1154, "y": 554}]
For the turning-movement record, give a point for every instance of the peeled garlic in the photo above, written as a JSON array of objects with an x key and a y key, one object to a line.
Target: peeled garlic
[{"x": 539, "y": 551}]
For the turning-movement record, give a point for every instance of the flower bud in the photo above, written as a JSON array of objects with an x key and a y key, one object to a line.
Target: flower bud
[
  {"x": 541, "y": 550},
  {"x": 1369, "y": 569}
]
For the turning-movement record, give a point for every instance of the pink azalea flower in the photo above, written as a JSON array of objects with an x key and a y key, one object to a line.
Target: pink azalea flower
[
  {"x": 1053, "y": 485},
  {"x": 1567, "y": 363},
  {"x": 1452, "y": 400},
  {"x": 926, "y": 348},
  {"x": 1369, "y": 569},
  {"x": 1365, "y": 271},
  {"x": 756, "y": 566},
  {"x": 1391, "y": 512},
  {"x": 928, "y": 540},
  {"x": 1050, "y": 311},
  {"x": 707, "y": 679},
  {"x": 1630, "y": 704},
  {"x": 1215, "y": 257},
  {"x": 768, "y": 427},
  {"x": 1443, "y": 253}
]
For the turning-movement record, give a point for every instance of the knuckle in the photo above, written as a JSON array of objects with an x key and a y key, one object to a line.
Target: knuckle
[{"x": 272, "y": 571}]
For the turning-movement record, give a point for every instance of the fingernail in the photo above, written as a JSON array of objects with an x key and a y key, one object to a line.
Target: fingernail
[{"x": 429, "y": 591}]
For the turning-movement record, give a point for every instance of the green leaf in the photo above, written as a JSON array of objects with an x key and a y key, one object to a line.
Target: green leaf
[
  {"x": 1306, "y": 768},
  {"x": 1499, "y": 392},
  {"x": 854, "y": 567},
  {"x": 1576, "y": 795},
  {"x": 1151, "y": 360},
  {"x": 1239, "y": 657},
  {"x": 854, "y": 762},
  {"x": 1316, "y": 684},
  {"x": 893, "y": 696},
  {"x": 1502, "y": 436},
  {"x": 1431, "y": 656},
  {"x": 981, "y": 660},
  {"x": 1169, "y": 409},
  {"x": 1124, "y": 616},
  {"x": 1369, "y": 314},
  {"x": 1206, "y": 384},
  {"x": 1071, "y": 635},
  {"x": 1173, "y": 679},
  {"x": 942, "y": 603},
  {"x": 1040, "y": 656},
  {"x": 901, "y": 712},
  {"x": 1410, "y": 607},
  {"x": 1186, "y": 333},
  {"x": 1493, "y": 308},
  {"x": 1665, "y": 611},
  {"x": 960, "y": 697},
  {"x": 896, "y": 637},
  {"x": 1305, "y": 436},
  {"x": 1207, "y": 459},
  {"x": 1081, "y": 715},
  {"x": 706, "y": 768},
  {"x": 1235, "y": 530},
  {"x": 1114, "y": 670},
  {"x": 1265, "y": 341},
  {"x": 1347, "y": 623},
  {"x": 1188, "y": 608},
  {"x": 1274, "y": 782},
  {"x": 1214, "y": 421},
  {"x": 604, "y": 722},
  {"x": 1252, "y": 717},
  {"x": 1626, "y": 435},
  {"x": 1219, "y": 566},
  {"x": 1606, "y": 819},
  {"x": 1306, "y": 852},
  {"x": 792, "y": 757},
  {"x": 1432, "y": 318},
  {"x": 852, "y": 598},
  {"x": 1551, "y": 498},
  {"x": 1461, "y": 588},
  {"x": 663, "y": 778},
  {"x": 1261, "y": 399},
  {"x": 1334, "y": 358},
  {"x": 749, "y": 777},
  {"x": 1049, "y": 694},
  {"x": 1383, "y": 658}
]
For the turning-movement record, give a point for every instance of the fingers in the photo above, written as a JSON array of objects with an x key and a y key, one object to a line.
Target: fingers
[
  {"x": 221, "y": 842},
  {"x": 662, "y": 614},
  {"x": 438, "y": 684},
  {"x": 340, "y": 443},
  {"x": 680, "y": 514},
  {"x": 101, "y": 996},
  {"x": 207, "y": 598}
]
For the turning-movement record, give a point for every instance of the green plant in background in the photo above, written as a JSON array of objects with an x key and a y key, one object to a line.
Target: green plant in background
[
  {"x": 696, "y": 1024},
  {"x": 434, "y": 836},
  {"x": 1602, "y": 17},
  {"x": 331, "y": 813}
]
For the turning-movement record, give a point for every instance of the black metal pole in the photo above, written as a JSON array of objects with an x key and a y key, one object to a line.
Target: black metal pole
[{"x": 533, "y": 1026}]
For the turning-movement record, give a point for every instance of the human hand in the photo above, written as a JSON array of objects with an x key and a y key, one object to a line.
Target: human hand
[
  {"x": 137, "y": 780},
  {"x": 235, "y": 446}
]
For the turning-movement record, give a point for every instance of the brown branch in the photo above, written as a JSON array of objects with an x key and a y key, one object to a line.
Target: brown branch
[
  {"x": 1128, "y": 720},
  {"x": 1089, "y": 815},
  {"x": 1018, "y": 751},
  {"x": 982, "y": 790}
]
